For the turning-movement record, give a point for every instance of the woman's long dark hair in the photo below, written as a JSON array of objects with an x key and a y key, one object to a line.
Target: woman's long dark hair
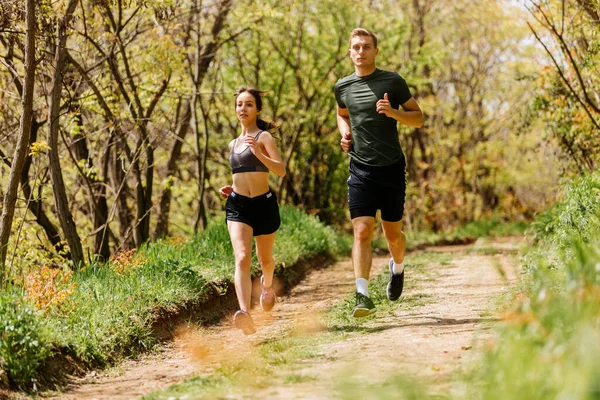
[{"x": 257, "y": 94}]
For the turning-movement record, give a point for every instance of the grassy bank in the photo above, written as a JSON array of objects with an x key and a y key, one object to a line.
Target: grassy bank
[
  {"x": 104, "y": 312},
  {"x": 548, "y": 344}
]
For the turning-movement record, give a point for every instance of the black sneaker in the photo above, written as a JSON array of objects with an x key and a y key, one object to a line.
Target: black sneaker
[
  {"x": 242, "y": 320},
  {"x": 364, "y": 306},
  {"x": 396, "y": 284}
]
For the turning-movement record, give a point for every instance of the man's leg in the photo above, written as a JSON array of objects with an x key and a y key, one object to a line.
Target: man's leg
[
  {"x": 397, "y": 245},
  {"x": 362, "y": 259},
  {"x": 361, "y": 248},
  {"x": 395, "y": 238}
]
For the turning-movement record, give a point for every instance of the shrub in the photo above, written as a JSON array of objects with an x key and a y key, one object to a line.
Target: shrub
[{"x": 23, "y": 346}]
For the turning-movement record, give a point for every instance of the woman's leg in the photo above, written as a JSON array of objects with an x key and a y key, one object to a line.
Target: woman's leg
[
  {"x": 264, "y": 252},
  {"x": 241, "y": 240}
]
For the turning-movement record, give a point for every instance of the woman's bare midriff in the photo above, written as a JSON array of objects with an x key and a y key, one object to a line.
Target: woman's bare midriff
[{"x": 251, "y": 184}]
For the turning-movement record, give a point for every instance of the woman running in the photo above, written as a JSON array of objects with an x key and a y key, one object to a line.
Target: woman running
[{"x": 252, "y": 208}]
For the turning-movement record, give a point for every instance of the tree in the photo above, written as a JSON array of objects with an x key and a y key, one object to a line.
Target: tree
[
  {"x": 58, "y": 186},
  {"x": 20, "y": 153},
  {"x": 570, "y": 89}
]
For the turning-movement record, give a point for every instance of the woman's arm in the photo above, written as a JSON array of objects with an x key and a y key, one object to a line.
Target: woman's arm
[
  {"x": 225, "y": 191},
  {"x": 265, "y": 149}
]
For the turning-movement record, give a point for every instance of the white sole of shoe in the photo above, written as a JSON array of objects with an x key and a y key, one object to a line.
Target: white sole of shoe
[{"x": 363, "y": 312}]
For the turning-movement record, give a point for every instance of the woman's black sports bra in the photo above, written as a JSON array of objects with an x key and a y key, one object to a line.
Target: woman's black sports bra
[{"x": 246, "y": 161}]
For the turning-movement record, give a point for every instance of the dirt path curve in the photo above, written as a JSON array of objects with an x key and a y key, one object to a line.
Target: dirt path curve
[{"x": 428, "y": 341}]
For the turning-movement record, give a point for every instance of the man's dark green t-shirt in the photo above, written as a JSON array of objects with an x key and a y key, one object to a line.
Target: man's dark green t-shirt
[{"x": 374, "y": 136}]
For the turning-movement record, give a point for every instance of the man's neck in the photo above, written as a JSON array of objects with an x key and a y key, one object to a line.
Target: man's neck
[{"x": 364, "y": 71}]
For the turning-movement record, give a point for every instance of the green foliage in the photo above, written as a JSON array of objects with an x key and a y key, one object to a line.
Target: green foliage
[
  {"x": 576, "y": 218},
  {"x": 548, "y": 345},
  {"x": 23, "y": 344},
  {"x": 564, "y": 86},
  {"x": 301, "y": 235},
  {"x": 475, "y": 155}
]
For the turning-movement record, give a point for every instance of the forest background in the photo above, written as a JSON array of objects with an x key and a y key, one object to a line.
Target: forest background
[{"x": 115, "y": 115}]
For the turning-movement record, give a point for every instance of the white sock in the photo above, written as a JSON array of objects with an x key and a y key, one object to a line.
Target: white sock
[
  {"x": 397, "y": 268},
  {"x": 362, "y": 286}
]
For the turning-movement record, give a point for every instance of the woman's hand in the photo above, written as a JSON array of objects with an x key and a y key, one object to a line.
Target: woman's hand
[
  {"x": 225, "y": 191},
  {"x": 253, "y": 144}
]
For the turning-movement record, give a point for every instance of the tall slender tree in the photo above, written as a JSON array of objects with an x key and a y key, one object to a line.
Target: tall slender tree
[
  {"x": 58, "y": 185},
  {"x": 10, "y": 198}
]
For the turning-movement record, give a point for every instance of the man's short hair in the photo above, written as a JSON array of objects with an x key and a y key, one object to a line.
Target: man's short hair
[{"x": 363, "y": 32}]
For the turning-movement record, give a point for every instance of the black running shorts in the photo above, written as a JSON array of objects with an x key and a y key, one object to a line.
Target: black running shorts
[
  {"x": 260, "y": 212},
  {"x": 377, "y": 188}
]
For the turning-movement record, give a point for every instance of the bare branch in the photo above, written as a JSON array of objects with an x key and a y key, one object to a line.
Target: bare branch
[{"x": 562, "y": 75}]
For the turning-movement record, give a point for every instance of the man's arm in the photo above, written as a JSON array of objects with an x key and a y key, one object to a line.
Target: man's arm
[
  {"x": 410, "y": 114},
  {"x": 343, "y": 123},
  {"x": 343, "y": 120}
]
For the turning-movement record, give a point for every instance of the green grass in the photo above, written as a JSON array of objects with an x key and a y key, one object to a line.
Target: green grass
[
  {"x": 339, "y": 317},
  {"x": 113, "y": 309},
  {"x": 493, "y": 226},
  {"x": 548, "y": 345}
]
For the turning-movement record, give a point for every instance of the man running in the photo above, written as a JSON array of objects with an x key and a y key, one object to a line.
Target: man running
[{"x": 368, "y": 110}]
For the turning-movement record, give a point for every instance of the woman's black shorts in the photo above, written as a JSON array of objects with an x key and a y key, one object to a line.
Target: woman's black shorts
[
  {"x": 260, "y": 212},
  {"x": 377, "y": 188}
]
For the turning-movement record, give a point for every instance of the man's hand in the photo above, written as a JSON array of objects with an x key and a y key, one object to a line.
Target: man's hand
[
  {"x": 346, "y": 141},
  {"x": 384, "y": 106},
  {"x": 225, "y": 191}
]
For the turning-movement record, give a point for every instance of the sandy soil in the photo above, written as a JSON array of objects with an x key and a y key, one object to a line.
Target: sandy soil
[{"x": 430, "y": 341}]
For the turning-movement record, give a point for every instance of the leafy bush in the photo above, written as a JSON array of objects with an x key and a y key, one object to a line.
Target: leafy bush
[
  {"x": 576, "y": 218},
  {"x": 303, "y": 235},
  {"x": 23, "y": 346},
  {"x": 549, "y": 340}
]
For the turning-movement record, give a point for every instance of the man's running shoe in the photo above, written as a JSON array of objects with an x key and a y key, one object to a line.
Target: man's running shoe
[
  {"x": 267, "y": 296},
  {"x": 364, "y": 306},
  {"x": 242, "y": 320},
  {"x": 396, "y": 283}
]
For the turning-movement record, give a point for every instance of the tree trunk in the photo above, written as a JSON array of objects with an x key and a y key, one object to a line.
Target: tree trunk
[
  {"x": 96, "y": 189},
  {"x": 202, "y": 174},
  {"x": 144, "y": 191},
  {"x": 10, "y": 198},
  {"x": 101, "y": 246},
  {"x": 162, "y": 226},
  {"x": 202, "y": 62},
  {"x": 119, "y": 178},
  {"x": 35, "y": 203},
  {"x": 58, "y": 185}
]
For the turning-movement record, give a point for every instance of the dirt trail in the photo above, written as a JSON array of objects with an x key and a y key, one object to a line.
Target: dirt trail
[{"x": 429, "y": 341}]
